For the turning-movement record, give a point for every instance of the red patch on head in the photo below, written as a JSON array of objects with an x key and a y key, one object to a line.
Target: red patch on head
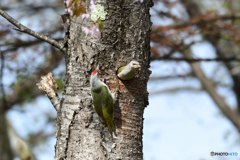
[{"x": 94, "y": 72}]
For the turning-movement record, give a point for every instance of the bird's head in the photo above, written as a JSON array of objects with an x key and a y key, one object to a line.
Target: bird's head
[
  {"x": 134, "y": 64},
  {"x": 95, "y": 82},
  {"x": 94, "y": 76},
  {"x": 94, "y": 73}
]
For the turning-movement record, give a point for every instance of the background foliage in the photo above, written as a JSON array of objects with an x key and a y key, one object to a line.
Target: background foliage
[{"x": 194, "y": 88}]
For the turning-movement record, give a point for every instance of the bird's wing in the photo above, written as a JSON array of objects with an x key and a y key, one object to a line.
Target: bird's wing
[
  {"x": 97, "y": 101},
  {"x": 120, "y": 69},
  {"x": 108, "y": 101},
  {"x": 112, "y": 95}
]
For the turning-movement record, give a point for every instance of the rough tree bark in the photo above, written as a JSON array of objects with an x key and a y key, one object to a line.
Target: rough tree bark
[{"x": 126, "y": 36}]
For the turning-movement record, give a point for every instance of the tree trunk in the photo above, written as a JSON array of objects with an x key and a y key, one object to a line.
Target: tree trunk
[
  {"x": 5, "y": 148},
  {"x": 126, "y": 36}
]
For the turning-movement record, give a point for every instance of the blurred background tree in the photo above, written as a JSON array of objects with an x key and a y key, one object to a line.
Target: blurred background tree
[
  {"x": 24, "y": 59},
  {"x": 195, "y": 50}
]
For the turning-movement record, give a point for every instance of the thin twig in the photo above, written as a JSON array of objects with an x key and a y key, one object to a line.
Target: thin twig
[
  {"x": 16, "y": 45},
  {"x": 24, "y": 29},
  {"x": 201, "y": 21},
  {"x": 177, "y": 89},
  {"x": 192, "y": 60},
  {"x": 31, "y": 7},
  {"x": 156, "y": 78}
]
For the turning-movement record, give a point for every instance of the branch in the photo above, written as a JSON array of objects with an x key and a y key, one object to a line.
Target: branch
[
  {"x": 24, "y": 29},
  {"x": 177, "y": 89},
  {"x": 192, "y": 60},
  {"x": 31, "y": 7},
  {"x": 166, "y": 14},
  {"x": 171, "y": 77},
  {"x": 200, "y": 20},
  {"x": 26, "y": 87},
  {"x": 184, "y": 76},
  {"x": 220, "y": 47},
  {"x": 208, "y": 85},
  {"x": 47, "y": 84},
  {"x": 14, "y": 46}
]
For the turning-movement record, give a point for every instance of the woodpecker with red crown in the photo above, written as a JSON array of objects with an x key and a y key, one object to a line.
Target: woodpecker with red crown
[{"x": 103, "y": 101}]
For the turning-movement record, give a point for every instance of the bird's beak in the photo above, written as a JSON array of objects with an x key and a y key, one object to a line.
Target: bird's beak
[{"x": 137, "y": 66}]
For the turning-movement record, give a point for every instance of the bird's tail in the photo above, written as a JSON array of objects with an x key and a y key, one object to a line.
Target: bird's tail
[
  {"x": 110, "y": 123},
  {"x": 112, "y": 128}
]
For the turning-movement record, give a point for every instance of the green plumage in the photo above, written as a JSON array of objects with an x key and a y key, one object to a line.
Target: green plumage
[
  {"x": 104, "y": 106},
  {"x": 120, "y": 69},
  {"x": 126, "y": 75}
]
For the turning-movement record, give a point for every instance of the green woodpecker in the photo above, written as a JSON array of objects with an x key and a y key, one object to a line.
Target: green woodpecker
[
  {"x": 103, "y": 101},
  {"x": 128, "y": 72}
]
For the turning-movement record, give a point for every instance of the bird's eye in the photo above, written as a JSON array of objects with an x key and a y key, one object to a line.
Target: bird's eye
[{"x": 133, "y": 63}]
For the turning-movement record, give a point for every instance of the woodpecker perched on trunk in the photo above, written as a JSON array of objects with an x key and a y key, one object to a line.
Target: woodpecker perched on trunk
[
  {"x": 128, "y": 72},
  {"x": 103, "y": 101}
]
